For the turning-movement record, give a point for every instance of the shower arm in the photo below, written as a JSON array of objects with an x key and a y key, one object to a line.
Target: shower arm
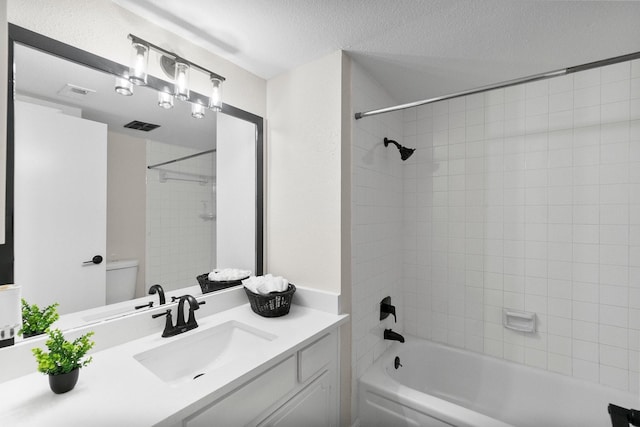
[{"x": 388, "y": 141}]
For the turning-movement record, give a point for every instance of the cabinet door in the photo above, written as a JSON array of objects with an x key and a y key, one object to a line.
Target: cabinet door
[
  {"x": 247, "y": 402},
  {"x": 310, "y": 408}
]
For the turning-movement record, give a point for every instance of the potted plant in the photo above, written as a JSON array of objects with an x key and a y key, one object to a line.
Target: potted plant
[
  {"x": 36, "y": 321},
  {"x": 63, "y": 360}
]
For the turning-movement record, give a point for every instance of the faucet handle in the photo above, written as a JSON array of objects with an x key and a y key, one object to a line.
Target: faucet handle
[
  {"x": 386, "y": 309},
  {"x": 149, "y": 304},
  {"x": 169, "y": 329},
  {"x": 164, "y": 313}
]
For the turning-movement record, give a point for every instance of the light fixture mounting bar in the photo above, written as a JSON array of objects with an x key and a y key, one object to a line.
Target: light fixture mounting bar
[{"x": 136, "y": 39}]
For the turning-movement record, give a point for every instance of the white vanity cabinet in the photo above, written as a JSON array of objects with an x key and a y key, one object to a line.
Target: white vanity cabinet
[{"x": 302, "y": 390}]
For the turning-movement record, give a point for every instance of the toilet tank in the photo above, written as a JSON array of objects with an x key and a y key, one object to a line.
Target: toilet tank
[{"x": 121, "y": 280}]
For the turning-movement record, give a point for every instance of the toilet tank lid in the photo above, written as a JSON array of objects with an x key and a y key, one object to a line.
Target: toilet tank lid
[{"x": 120, "y": 264}]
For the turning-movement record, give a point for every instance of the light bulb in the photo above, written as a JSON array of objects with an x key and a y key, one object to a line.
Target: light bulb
[
  {"x": 215, "y": 101},
  {"x": 139, "y": 60},
  {"x": 123, "y": 86},
  {"x": 197, "y": 111},
  {"x": 182, "y": 81},
  {"x": 165, "y": 100}
]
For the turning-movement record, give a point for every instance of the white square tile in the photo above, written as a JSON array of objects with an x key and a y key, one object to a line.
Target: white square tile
[
  {"x": 559, "y": 327},
  {"x": 586, "y": 97},
  {"x": 614, "y": 377},
  {"x": 560, "y": 120},
  {"x": 615, "y": 91},
  {"x": 615, "y": 112},
  {"x": 586, "y": 370},
  {"x": 560, "y": 364},
  {"x": 614, "y": 234},
  {"x": 616, "y": 72},
  {"x": 586, "y": 78},
  {"x": 614, "y": 316},
  {"x": 614, "y": 336},
  {"x": 614, "y": 356},
  {"x": 585, "y": 331},
  {"x": 586, "y": 116},
  {"x": 585, "y": 311},
  {"x": 561, "y": 101},
  {"x": 585, "y": 350},
  {"x": 535, "y": 358}
]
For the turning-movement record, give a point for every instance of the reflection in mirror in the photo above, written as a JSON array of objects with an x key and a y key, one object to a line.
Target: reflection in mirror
[{"x": 158, "y": 206}]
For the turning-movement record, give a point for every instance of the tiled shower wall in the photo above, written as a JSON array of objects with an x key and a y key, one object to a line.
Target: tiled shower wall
[
  {"x": 377, "y": 216},
  {"x": 180, "y": 235},
  {"x": 528, "y": 198}
]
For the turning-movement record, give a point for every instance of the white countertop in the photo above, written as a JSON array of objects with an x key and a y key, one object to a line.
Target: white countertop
[{"x": 115, "y": 389}]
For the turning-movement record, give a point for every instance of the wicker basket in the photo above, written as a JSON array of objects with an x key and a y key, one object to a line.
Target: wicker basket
[
  {"x": 275, "y": 304},
  {"x": 209, "y": 286}
]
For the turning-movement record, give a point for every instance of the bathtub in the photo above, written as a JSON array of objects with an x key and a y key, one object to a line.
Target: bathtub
[{"x": 439, "y": 385}]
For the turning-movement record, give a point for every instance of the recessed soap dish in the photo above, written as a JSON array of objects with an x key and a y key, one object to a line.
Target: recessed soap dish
[{"x": 521, "y": 321}]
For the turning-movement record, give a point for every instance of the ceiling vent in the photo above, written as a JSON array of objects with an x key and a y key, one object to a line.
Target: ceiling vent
[
  {"x": 73, "y": 91},
  {"x": 142, "y": 126}
]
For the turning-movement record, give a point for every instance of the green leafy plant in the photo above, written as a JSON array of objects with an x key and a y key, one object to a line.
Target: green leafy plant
[
  {"x": 36, "y": 321},
  {"x": 63, "y": 356}
]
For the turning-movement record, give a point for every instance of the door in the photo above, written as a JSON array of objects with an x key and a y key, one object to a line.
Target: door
[{"x": 60, "y": 193}]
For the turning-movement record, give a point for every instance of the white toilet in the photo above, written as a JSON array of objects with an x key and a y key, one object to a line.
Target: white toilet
[{"x": 121, "y": 280}]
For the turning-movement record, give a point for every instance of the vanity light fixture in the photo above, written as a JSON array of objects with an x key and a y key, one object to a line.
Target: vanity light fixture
[{"x": 181, "y": 74}]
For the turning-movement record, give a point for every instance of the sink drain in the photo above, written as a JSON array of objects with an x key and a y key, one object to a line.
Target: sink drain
[{"x": 199, "y": 375}]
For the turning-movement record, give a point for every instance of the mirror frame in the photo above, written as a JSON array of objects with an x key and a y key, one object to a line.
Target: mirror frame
[{"x": 70, "y": 53}]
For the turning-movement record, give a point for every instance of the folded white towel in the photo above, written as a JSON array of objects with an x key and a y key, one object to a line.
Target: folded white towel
[
  {"x": 264, "y": 285},
  {"x": 225, "y": 274}
]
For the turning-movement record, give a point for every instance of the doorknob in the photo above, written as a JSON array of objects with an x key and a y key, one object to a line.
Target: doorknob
[{"x": 95, "y": 260}]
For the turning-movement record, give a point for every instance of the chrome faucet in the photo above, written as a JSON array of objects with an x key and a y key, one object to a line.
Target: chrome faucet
[{"x": 181, "y": 326}]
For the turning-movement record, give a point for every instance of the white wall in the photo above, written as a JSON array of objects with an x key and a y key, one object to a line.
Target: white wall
[
  {"x": 304, "y": 174},
  {"x": 101, "y": 27},
  {"x": 528, "y": 197},
  {"x": 126, "y": 202},
  {"x": 377, "y": 218}
]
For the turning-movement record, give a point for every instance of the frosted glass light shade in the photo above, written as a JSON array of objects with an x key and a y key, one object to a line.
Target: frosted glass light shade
[
  {"x": 124, "y": 86},
  {"x": 182, "y": 81},
  {"x": 139, "y": 62},
  {"x": 165, "y": 100},
  {"x": 215, "y": 101}
]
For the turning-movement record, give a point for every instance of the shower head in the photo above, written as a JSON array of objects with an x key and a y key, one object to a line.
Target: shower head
[{"x": 405, "y": 152}]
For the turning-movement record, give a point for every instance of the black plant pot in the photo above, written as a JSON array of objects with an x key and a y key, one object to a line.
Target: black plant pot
[
  {"x": 63, "y": 383},
  {"x": 32, "y": 334}
]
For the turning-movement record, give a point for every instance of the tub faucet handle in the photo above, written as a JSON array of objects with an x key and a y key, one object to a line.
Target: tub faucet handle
[{"x": 386, "y": 309}]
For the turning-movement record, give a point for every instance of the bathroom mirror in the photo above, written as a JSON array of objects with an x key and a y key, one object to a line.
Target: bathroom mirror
[{"x": 176, "y": 201}]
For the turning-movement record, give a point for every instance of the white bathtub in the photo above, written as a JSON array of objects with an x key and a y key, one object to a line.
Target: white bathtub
[{"x": 444, "y": 386}]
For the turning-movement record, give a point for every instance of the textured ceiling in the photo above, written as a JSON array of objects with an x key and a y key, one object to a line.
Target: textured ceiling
[{"x": 415, "y": 48}]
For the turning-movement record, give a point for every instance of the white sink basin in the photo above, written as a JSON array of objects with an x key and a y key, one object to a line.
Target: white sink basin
[{"x": 188, "y": 357}]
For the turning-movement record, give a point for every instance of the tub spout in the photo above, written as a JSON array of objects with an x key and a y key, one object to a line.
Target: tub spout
[{"x": 391, "y": 335}]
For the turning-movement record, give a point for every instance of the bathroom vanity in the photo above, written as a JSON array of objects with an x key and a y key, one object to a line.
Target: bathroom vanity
[{"x": 236, "y": 368}]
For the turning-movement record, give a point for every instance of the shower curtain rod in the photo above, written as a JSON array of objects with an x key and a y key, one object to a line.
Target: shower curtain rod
[
  {"x": 181, "y": 158},
  {"x": 507, "y": 83}
]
